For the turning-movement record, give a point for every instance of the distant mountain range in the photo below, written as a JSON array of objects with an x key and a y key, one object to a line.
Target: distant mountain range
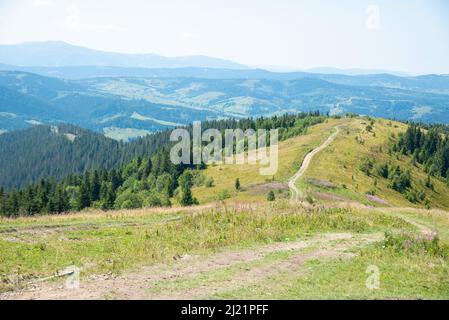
[
  {"x": 57, "y": 54},
  {"x": 122, "y": 97},
  {"x": 125, "y": 107}
]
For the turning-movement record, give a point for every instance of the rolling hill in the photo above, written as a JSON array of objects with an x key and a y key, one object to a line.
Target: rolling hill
[
  {"x": 28, "y": 99},
  {"x": 127, "y": 107},
  {"x": 334, "y": 174},
  {"x": 241, "y": 246}
]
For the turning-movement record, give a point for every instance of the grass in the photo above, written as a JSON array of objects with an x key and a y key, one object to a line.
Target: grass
[
  {"x": 342, "y": 158},
  {"x": 291, "y": 154},
  {"x": 339, "y": 163},
  {"x": 402, "y": 276},
  {"x": 219, "y": 276},
  {"x": 121, "y": 241},
  {"x": 113, "y": 243}
]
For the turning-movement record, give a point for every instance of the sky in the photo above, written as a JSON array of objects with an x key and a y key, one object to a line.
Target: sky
[{"x": 401, "y": 35}]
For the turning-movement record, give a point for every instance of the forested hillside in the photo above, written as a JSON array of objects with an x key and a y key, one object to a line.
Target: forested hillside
[
  {"x": 429, "y": 148},
  {"x": 149, "y": 180},
  {"x": 56, "y": 151}
]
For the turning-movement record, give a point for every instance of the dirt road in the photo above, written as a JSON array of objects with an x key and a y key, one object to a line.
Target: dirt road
[
  {"x": 295, "y": 192},
  {"x": 200, "y": 277}
]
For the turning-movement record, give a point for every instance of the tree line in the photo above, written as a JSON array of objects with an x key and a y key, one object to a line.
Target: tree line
[
  {"x": 151, "y": 180},
  {"x": 429, "y": 148}
]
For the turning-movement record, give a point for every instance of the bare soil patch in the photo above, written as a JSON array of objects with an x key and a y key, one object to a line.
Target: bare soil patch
[{"x": 136, "y": 284}]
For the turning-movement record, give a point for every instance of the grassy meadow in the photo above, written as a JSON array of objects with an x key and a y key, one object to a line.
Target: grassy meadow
[{"x": 244, "y": 247}]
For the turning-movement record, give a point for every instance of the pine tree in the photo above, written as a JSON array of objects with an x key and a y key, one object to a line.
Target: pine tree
[
  {"x": 237, "y": 184},
  {"x": 84, "y": 194},
  {"x": 148, "y": 167},
  {"x": 185, "y": 183},
  {"x": 51, "y": 206},
  {"x": 62, "y": 200},
  {"x": 31, "y": 203},
  {"x": 271, "y": 196},
  {"x": 13, "y": 205},
  {"x": 109, "y": 200},
  {"x": 115, "y": 179},
  {"x": 2, "y": 202},
  {"x": 95, "y": 187},
  {"x": 43, "y": 195}
]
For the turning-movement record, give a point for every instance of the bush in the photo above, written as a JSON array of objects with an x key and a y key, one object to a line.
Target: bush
[
  {"x": 237, "y": 184},
  {"x": 411, "y": 196},
  {"x": 223, "y": 195},
  {"x": 366, "y": 166},
  {"x": 429, "y": 183},
  {"x": 129, "y": 200},
  {"x": 209, "y": 183},
  {"x": 401, "y": 181},
  {"x": 309, "y": 199},
  {"x": 185, "y": 184},
  {"x": 382, "y": 170},
  {"x": 271, "y": 197},
  {"x": 417, "y": 244}
]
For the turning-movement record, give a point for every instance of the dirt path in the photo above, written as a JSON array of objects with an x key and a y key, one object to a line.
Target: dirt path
[
  {"x": 143, "y": 283},
  {"x": 296, "y": 193}
]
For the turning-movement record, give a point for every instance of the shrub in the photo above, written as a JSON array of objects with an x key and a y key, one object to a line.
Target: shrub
[
  {"x": 271, "y": 197},
  {"x": 366, "y": 166},
  {"x": 309, "y": 199},
  {"x": 185, "y": 182},
  {"x": 382, "y": 170},
  {"x": 223, "y": 195},
  {"x": 411, "y": 196},
  {"x": 209, "y": 182},
  {"x": 400, "y": 181},
  {"x": 429, "y": 183},
  {"x": 237, "y": 184},
  {"x": 417, "y": 244}
]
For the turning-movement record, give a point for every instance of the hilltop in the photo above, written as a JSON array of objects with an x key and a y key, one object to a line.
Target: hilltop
[
  {"x": 347, "y": 223},
  {"x": 336, "y": 173}
]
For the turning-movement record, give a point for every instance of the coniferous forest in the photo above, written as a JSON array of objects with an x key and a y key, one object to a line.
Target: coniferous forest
[
  {"x": 429, "y": 147},
  {"x": 114, "y": 175}
]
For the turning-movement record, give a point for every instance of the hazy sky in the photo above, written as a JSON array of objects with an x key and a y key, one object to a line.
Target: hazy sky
[{"x": 402, "y": 35}]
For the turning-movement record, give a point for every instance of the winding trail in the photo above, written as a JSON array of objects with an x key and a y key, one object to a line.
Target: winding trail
[
  {"x": 197, "y": 272},
  {"x": 296, "y": 194}
]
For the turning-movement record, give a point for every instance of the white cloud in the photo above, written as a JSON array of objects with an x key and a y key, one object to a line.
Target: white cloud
[{"x": 41, "y": 3}]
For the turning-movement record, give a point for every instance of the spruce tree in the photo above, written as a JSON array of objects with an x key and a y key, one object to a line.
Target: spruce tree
[
  {"x": 95, "y": 187},
  {"x": 13, "y": 205},
  {"x": 62, "y": 200},
  {"x": 237, "y": 184},
  {"x": 109, "y": 200},
  {"x": 148, "y": 167},
  {"x": 185, "y": 183},
  {"x": 84, "y": 194},
  {"x": 51, "y": 206},
  {"x": 2, "y": 201}
]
